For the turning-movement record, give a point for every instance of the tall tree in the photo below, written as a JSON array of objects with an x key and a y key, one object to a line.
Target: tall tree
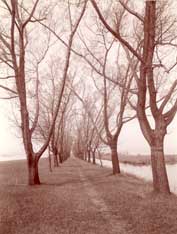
[
  {"x": 156, "y": 32},
  {"x": 113, "y": 83},
  {"x": 15, "y": 42}
]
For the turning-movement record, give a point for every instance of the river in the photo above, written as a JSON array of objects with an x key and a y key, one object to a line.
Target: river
[{"x": 145, "y": 172}]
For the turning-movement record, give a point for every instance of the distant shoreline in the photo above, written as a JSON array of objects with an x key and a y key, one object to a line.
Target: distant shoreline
[
  {"x": 13, "y": 160},
  {"x": 10, "y": 158},
  {"x": 7, "y": 158},
  {"x": 140, "y": 160}
]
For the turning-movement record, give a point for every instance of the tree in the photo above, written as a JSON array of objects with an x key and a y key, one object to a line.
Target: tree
[
  {"x": 156, "y": 32},
  {"x": 16, "y": 42},
  {"x": 47, "y": 109},
  {"x": 113, "y": 85},
  {"x": 89, "y": 124}
]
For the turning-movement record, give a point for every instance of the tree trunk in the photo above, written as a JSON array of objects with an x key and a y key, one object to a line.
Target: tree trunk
[
  {"x": 33, "y": 174},
  {"x": 89, "y": 156},
  {"x": 55, "y": 156},
  {"x": 114, "y": 158},
  {"x": 50, "y": 160},
  {"x": 93, "y": 156},
  {"x": 60, "y": 157},
  {"x": 85, "y": 156},
  {"x": 99, "y": 155},
  {"x": 159, "y": 173},
  {"x": 56, "y": 163}
]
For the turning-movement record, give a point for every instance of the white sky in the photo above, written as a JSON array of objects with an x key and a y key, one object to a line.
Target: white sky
[
  {"x": 9, "y": 143},
  {"x": 131, "y": 139}
]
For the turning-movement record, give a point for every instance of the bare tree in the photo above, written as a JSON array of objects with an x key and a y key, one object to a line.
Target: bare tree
[
  {"x": 156, "y": 31},
  {"x": 89, "y": 125},
  {"x": 114, "y": 86},
  {"x": 16, "y": 42}
]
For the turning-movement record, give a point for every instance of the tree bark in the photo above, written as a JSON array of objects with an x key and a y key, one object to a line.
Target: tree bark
[
  {"x": 99, "y": 155},
  {"x": 114, "y": 158},
  {"x": 160, "y": 179},
  {"x": 93, "y": 156},
  {"x": 85, "y": 155},
  {"x": 89, "y": 156},
  {"x": 60, "y": 157},
  {"x": 33, "y": 173},
  {"x": 55, "y": 156},
  {"x": 56, "y": 163},
  {"x": 50, "y": 160}
]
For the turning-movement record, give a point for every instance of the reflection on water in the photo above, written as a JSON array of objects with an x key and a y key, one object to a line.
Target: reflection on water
[{"x": 145, "y": 172}]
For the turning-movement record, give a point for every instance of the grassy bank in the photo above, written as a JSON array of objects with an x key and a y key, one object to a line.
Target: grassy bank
[
  {"x": 140, "y": 159},
  {"x": 145, "y": 212},
  {"x": 67, "y": 203}
]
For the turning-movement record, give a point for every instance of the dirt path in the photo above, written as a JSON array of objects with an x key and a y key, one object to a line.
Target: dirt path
[
  {"x": 66, "y": 203},
  {"x": 80, "y": 198},
  {"x": 115, "y": 223}
]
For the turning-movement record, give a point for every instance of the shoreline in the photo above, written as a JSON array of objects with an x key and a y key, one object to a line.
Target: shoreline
[
  {"x": 133, "y": 163},
  {"x": 141, "y": 160}
]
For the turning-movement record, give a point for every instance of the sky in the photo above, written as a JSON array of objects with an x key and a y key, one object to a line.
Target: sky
[
  {"x": 10, "y": 144},
  {"x": 131, "y": 139}
]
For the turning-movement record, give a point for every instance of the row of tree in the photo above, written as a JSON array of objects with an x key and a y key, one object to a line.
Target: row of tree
[{"x": 79, "y": 82}]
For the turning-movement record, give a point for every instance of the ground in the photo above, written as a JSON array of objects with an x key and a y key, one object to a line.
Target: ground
[{"x": 80, "y": 198}]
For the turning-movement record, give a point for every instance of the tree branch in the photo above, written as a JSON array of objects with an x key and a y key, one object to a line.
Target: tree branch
[
  {"x": 8, "y": 89},
  {"x": 114, "y": 33},
  {"x": 131, "y": 11}
]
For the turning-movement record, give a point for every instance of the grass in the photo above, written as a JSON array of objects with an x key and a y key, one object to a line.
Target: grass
[
  {"x": 63, "y": 205},
  {"x": 140, "y": 159},
  {"x": 145, "y": 212}
]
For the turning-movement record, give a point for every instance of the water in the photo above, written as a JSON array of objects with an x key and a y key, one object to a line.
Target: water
[
  {"x": 22, "y": 156},
  {"x": 145, "y": 172},
  {"x": 11, "y": 157}
]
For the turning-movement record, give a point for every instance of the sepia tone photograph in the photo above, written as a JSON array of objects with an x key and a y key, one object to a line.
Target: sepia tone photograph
[{"x": 88, "y": 116}]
